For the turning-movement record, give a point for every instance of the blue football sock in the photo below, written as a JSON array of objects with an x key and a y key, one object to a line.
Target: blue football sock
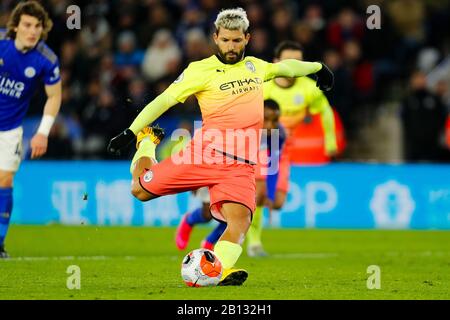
[
  {"x": 5, "y": 212},
  {"x": 216, "y": 233},
  {"x": 196, "y": 217}
]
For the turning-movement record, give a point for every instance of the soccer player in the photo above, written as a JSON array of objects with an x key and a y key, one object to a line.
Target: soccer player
[
  {"x": 24, "y": 60},
  {"x": 221, "y": 155},
  {"x": 298, "y": 97}
]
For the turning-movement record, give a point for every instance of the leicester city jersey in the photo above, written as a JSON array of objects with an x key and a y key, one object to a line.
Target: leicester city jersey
[{"x": 19, "y": 75}]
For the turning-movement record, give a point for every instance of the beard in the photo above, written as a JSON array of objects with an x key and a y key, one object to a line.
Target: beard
[{"x": 230, "y": 57}]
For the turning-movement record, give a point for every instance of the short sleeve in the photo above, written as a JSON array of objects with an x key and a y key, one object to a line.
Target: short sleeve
[
  {"x": 189, "y": 82},
  {"x": 51, "y": 73}
]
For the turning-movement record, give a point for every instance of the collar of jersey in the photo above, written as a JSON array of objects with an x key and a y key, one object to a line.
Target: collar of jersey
[{"x": 21, "y": 52}]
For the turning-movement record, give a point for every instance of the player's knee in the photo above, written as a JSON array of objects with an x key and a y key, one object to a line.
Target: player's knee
[
  {"x": 260, "y": 192},
  {"x": 206, "y": 212},
  {"x": 278, "y": 205},
  {"x": 6, "y": 179},
  {"x": 139, "y": 193},
  {"x": 260, "y": 198},
  {"x": 241, "y": 222},
  {"x": 280, "y": 199},
  {"x": 247, "y": 221}
]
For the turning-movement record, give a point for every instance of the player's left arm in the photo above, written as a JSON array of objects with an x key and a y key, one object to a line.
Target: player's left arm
[
  {"x": 292, "y": 68},
  {"x": 39, "y": 141}
]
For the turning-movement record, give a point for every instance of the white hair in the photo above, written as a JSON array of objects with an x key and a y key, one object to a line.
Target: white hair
[{"x": 232, "y": 19}]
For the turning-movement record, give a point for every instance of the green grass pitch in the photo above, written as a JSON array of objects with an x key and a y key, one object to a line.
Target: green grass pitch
[{"x": 143, "y": 263}]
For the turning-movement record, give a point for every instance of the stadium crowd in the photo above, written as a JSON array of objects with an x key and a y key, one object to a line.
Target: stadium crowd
[{"x": 127, "y": 52}]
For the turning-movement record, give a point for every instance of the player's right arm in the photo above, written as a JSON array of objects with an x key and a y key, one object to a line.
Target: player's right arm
[
  {"x": 150, "y": 113},
  {"x": 186, "y": 84},
  {"x": 293, "y": 68},
  {"x": 329, "y": 128},
  {"x": 53, "y": 90}
]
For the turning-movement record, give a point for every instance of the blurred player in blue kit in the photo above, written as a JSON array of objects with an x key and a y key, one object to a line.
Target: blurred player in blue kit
[{"x": 25, "y": 60}]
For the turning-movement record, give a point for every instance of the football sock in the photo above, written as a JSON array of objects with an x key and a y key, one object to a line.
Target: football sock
[
  {"x": 196, "y": 217},
  {"x": 5, "y": 212},
  {"x": 146, "y": 149},
  {"x": 216, "y": 233},
  {"x": 227, "y": 252},
  {"x": 255, "y": 230}
]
